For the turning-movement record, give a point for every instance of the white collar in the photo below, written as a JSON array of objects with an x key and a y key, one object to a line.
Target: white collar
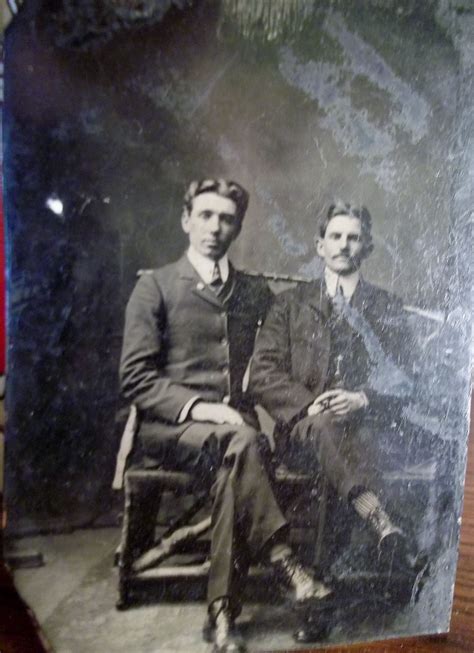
[
  {"x": 205, "y": 266},
  {"x": 347, "y": 282}
]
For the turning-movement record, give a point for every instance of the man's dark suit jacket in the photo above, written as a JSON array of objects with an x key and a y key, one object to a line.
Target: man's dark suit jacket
[
  {"x": 290, "y": 364},
  {"x": 182, "y": 341}
]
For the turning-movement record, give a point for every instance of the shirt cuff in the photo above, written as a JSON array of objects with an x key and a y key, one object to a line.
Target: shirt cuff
[
  {"x": 364, "y": 399},
  {"x": 184, "y": 414}
]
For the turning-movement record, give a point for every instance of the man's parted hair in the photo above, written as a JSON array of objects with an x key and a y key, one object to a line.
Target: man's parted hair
[
  {"x": 224, "y": 187},
  {"x": 361, "y": 213}
]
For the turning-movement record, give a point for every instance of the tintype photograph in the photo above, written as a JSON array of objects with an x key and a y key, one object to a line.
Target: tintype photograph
[{"x": 238, "y": 319}]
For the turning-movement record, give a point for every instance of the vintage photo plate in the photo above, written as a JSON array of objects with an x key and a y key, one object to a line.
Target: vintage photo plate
[{"x": 310, "y": 397}]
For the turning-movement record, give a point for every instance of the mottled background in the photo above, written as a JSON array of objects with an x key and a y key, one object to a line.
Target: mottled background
[{"x": 365, "y": 102}]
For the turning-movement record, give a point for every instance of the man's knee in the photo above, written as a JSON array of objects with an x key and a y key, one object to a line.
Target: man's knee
[
  {"x": 313, "y": 427},
  {"x": 244, "y": 437},
  {"x": 246, "y": 442}
]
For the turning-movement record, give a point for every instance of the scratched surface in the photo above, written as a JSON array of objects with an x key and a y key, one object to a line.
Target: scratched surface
[{"x": 100, "y": 142}]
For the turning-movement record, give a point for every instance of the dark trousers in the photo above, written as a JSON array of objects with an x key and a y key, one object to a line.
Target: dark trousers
[
  {"x": 245, "y": 513},
  {"x": 335, "y": 448}
]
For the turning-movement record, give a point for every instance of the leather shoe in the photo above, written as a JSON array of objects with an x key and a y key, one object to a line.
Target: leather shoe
[
  {"x": 393, "y": 552},
  {"x": 309, "y": 632},
  {"x": 219, "y": 629},
  {"x": 293, "y": 575},
  {"x": 316, "y": 620}
]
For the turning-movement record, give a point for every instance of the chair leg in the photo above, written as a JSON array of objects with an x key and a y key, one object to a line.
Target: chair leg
[
  {"x": 138, "y": 534},
  {"x": 123, "y": 601}
]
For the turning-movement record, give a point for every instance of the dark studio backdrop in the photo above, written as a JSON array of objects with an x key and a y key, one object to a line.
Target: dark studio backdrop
[{"x": 363, "y": 102}]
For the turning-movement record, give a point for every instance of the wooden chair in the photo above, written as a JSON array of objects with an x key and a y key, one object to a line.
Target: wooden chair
[{"x": 143, "y": 556}]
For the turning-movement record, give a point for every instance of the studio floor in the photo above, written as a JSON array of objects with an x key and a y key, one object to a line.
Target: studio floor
[{"x": 73, "y": 597}]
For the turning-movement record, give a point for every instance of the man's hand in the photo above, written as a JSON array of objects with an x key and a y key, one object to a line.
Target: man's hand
[
  {"x": 338, "y": 402},
  {"x": 204, "y": 411}
]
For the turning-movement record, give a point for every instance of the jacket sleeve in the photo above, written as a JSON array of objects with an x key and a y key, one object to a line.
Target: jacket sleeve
[
  {"x": 143, "y": 380},
  {"x": 271, "y": 383}
]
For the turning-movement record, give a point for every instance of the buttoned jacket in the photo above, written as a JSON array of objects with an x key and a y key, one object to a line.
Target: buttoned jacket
[
  {"x": 290, "y": 364},
  {"x": 182, "y": 341}
]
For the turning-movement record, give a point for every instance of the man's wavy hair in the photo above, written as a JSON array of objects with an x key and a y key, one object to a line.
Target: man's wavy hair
[
  {"x": 361, "y": 213},
  {"x": 224, "y": 187}
]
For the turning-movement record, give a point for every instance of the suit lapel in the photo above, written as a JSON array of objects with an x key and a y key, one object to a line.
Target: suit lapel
[
  {"x": 318, "y": 299},
  {"x": 231, "y": 288},
  {"x": 358, "y": 298},
  {"x": 362, "y": 299},
  {"x": 312, "y": 333},
  {"x": 237, "y": 291},
  {"x": 189, "y": 276}
]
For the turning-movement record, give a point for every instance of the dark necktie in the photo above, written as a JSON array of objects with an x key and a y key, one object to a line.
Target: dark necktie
[
  {"x": 216, "y": 282},
  {"x": 339, "y": 300}
]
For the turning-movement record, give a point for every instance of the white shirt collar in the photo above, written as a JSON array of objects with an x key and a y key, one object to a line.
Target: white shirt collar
[
  {"x": 347, "y": 282},
  {"x": 205, "y": 266}
]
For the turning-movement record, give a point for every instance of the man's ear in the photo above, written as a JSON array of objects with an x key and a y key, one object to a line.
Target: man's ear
[
  {"x": 318, "y": 243},
  {"x": 367, "y": 251},
  {"x": 185, "y": 221}
]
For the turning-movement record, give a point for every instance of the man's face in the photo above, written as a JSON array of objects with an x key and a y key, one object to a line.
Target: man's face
[
  {"x": 212, "y": 224},
  {"x": 342, "y": 245}
]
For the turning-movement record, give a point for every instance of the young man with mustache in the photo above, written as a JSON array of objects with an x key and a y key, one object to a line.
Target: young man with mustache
[{"x": 331, "y": 367}]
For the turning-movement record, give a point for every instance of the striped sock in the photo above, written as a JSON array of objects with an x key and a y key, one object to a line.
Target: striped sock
[{"x": 365, "y": 504}]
